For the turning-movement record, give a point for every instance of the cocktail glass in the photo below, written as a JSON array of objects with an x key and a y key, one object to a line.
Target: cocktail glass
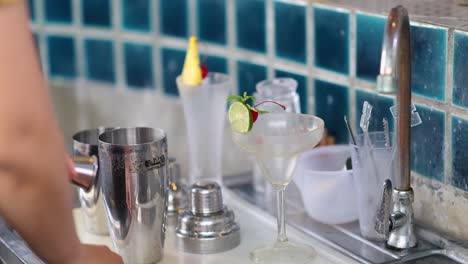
[{"x": 277, "y": 140}]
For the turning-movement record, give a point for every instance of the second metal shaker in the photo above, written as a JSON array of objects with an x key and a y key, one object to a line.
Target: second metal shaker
[{"x": 85, "y": 144}]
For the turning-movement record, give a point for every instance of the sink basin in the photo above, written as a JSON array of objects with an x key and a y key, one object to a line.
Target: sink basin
[
  {"x": 429, "y": 257},
  {"x": 432, "y": 259},
  {"x": 13, "y": 249},
  {"x": 7, "y": 256}
]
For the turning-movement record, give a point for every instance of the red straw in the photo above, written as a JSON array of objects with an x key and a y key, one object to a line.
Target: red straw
[{"x": 268, "y": 101}]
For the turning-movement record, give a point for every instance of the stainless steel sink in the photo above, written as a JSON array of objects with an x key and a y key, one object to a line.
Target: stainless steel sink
[
  {"x": 428, "y": 257},
  {"x": 13, "y": 249}
]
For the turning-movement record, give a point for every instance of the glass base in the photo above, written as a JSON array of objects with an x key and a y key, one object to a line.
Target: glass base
[{"x": 283, "y": 252}]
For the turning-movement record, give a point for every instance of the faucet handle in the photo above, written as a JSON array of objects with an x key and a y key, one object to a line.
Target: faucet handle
[{"x": 382, "y": 220}]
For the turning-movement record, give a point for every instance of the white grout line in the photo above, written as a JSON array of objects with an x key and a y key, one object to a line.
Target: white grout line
[
  {"x": 157, "y": 55},
  {"x": 231, "y": 42},
  {"x": 80, "y": 54},
  {"x": 42, "y": 38},
  {"x": 137, "y": 37},
  {"x": 270, "y": 36},
  {"x": 192, "y": 13},
  {"x": 289, "y": 66},
  {"x": 118, "y": 45},
  {"x": 352, "y": 66},
  {"x": 73, "y": 30},
  {"x": 364, "y": 84},
  {"x": 310, "y": 38},
  {"x": 330, "y": 76},
  {"x": 448, "y": 100}
]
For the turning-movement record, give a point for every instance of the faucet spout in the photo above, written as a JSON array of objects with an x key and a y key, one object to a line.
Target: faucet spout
[{"x": 395, "y": 78}]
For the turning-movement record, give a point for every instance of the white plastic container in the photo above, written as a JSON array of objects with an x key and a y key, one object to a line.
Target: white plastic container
[{"x": 327, "y": 188}]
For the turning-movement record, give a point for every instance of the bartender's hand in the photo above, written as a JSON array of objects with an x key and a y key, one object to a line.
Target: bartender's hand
[{"x": 92, "y": 254}]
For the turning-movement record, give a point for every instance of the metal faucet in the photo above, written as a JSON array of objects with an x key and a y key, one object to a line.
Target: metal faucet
[{"x": 395, "y": 216}]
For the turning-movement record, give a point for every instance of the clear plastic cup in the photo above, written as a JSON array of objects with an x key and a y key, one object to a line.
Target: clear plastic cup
[
  {"x": 372, "y": 165},
  {"x": 205, "y": 109}
]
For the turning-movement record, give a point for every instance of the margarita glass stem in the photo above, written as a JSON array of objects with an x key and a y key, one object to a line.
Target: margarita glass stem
[{"x": 282, "y": 238}]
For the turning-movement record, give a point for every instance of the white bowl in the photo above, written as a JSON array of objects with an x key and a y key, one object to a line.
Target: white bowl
[{"x": 327, "y": 188}]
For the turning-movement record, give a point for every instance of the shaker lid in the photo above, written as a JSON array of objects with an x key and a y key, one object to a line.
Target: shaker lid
[
  {"x": 207, "y": 226},
  {"x": 205, "y": 198}
]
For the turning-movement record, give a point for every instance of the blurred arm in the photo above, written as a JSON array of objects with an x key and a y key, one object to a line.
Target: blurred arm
[{"x": 35, "y": 197}]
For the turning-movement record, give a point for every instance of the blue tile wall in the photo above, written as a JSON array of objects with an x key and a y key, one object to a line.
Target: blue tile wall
[
  {"x": 428, "y": 56},
  {"x": 369, "y": 38},
  {"x": 99, "y": 57},
  {"x": 290, "y": 31},
  {"x": 138, "y": 65},
  {"x": 332, "y": 34},
  {"x": 216, "y": 64},
  {"x": 459, "y": 153},
  {"x": 212, "y": 21},
  {"x": 248, "y": 75},
  {"x": 136, "y": 15},
  {"x": 381, "y": 108},
  {"x": 251, "y": 25},
  {"x": 32, "y": 10},
  {"x": 331, "y": 30},
  {"x": 173, "y": 18},
  {"x": 58, "y": 11},
  {"x": 302, "y": 88},
  {"x": 427, "y": 144},
  {"x": 460, "y": 64},
  {"x": 332, "y": 104},
  {"x": 97, "y": 13},
  {"x": 61, "y": 56},
  {"x": 172, "y": 63}
]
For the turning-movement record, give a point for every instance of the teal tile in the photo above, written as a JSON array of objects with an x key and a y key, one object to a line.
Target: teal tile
[
  {"x": 32, "y": 9},
  {"x": 136, "y": 15},
  {"x": 251, "y": 25},
  {"x": 369, "y": 38},
  {"x": 173, "y": 18},
  {"x": 58, "y": 11},
  {"x": 460, "y": 66},
  {"x": 302, "y": 88},
  {"x": 61, "y": 56},
  {"x": 138, "y": 65},
  {"x": 427, "y": 144},
  {"x": 212, "y": 26},
  {"x": 172, "y": 64},
  {"x": 248, "y": 75},
  {"x": 459, "y": 154},
  {"x": 428, "y": 58},
  {"x": 99, "y": 60},
  {"x": 97, "y": 13},
  {"x": 332, "y": 104},
  {"x": 290, "y": 31},
  {"x": 216, "y": 64},
  {"x": 331, "y": 31}
]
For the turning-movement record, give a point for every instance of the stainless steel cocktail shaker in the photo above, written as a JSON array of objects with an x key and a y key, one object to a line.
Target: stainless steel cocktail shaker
[{"x": 134, "y": 186}]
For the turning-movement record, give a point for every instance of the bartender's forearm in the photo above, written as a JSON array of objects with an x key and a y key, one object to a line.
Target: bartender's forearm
[{"x": 34, "y": 195}]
